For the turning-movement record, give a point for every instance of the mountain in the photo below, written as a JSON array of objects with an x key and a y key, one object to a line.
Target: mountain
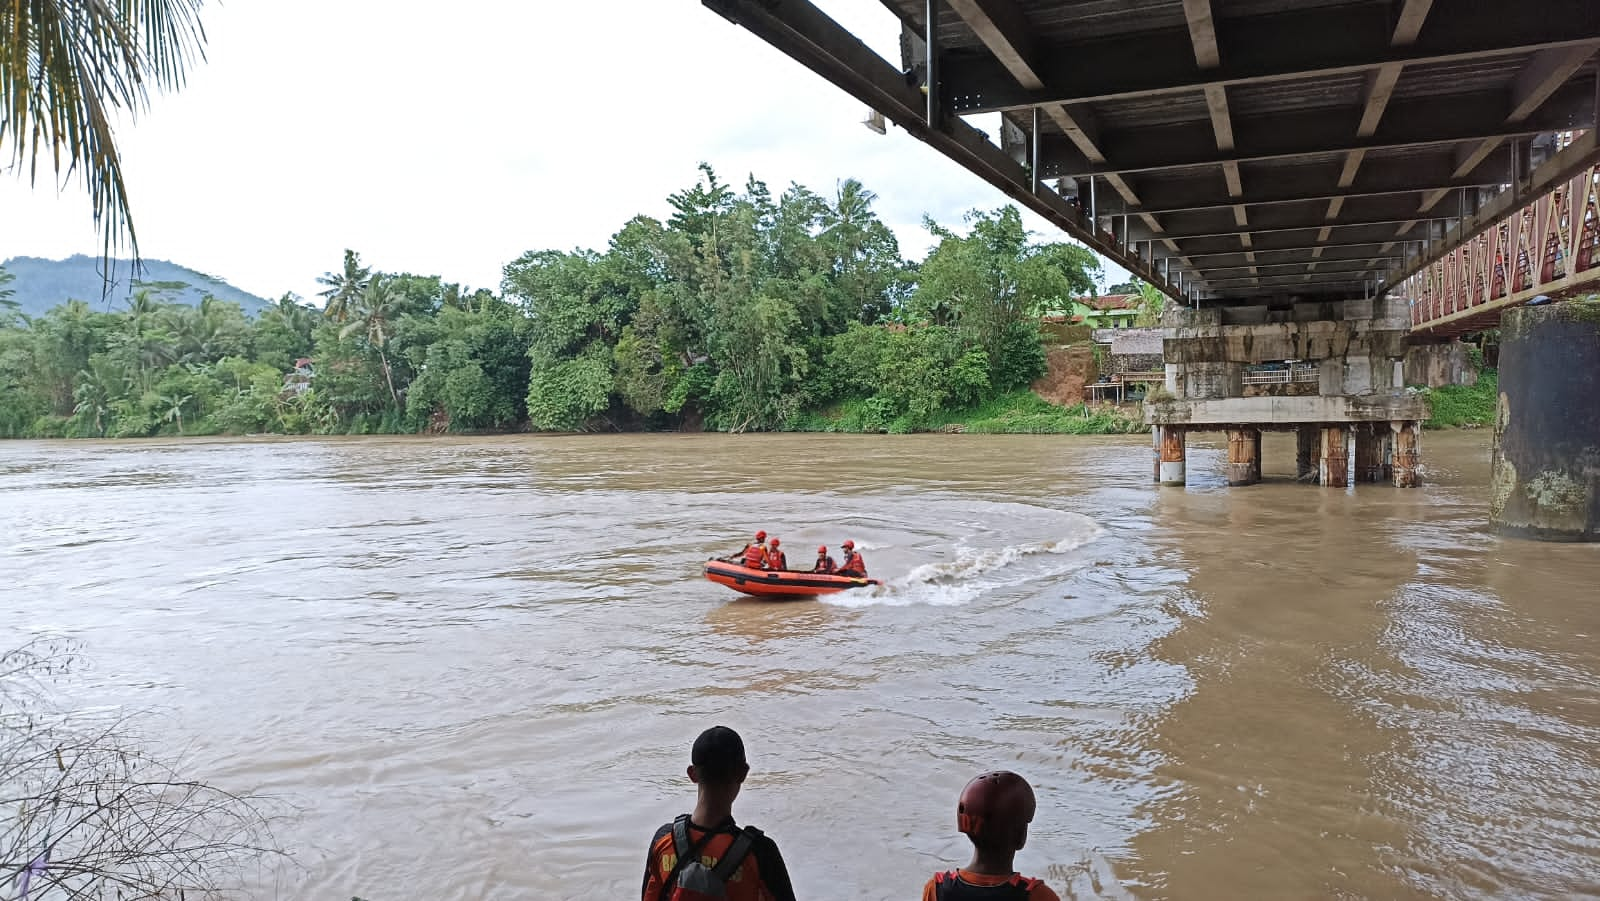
[{"x": 41, "y": 284}]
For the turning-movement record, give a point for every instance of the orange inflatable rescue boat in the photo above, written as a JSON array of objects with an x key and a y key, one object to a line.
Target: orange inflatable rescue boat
[{"x": 761, "y": 583}]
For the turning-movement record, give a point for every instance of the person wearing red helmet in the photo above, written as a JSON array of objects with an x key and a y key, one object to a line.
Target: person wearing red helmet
[
  {"x": 853, "y": 564},
  {"x": 776, "y": 560},
  {"x": 754, "y": 554},
  {"x": 825, "y": 563},
  {"x": 994, "y": 812}
]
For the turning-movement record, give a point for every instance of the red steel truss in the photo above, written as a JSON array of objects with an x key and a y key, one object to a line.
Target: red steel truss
[{"x": 1551, "y": 246}]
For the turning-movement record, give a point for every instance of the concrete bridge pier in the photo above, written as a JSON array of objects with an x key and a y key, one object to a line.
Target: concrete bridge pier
[
  {"x": 1406, "y": 456},
  {"x": 1244, "y": 456},
  {"x": 1335, "y": 468},
  {"x": 1174, "y": 450},
  {"x": 1546, "y": 477},
  {"x": 1308, "y": 453},
  {"x": 1372, "y": 453}
]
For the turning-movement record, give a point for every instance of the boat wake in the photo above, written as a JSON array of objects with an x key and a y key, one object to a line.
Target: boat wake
[{"x": 974, "y": 571}]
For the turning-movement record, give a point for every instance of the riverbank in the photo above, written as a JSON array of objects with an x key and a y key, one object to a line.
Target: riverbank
[
  {"x": 1465, "y": 406},
  {"x": 1020, "y": 412}
]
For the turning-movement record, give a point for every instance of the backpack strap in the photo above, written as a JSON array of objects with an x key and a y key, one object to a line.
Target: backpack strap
[
  {"x": 684, "y": 851},
  {"x": 743, "y": 844}
]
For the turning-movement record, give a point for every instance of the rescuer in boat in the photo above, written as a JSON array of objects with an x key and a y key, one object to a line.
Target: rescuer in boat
[
  {"x": 825, "y": 563},
  {"x": 994, "y": 812},
  {"x": 854, "y": 566},
  {"x": 776, "y": 561},
  {"x": 754, "y": 554}
]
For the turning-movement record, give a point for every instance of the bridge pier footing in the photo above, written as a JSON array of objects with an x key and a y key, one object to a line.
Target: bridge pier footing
[
  {"x": 1335, "y": 471},
  {"x": 1308, "y": 454},
  {"x": 1244, "y": 456},
  {"x": 1174, "y": 452},
  {"x": 1372, "y": 452},
  {"x": 1546, "y": 476}
]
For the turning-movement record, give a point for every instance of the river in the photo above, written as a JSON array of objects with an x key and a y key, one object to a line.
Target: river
[{"x": 474, "y": 666}]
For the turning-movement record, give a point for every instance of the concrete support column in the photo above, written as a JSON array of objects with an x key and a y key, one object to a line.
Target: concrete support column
[
  {"x": 1173, "y": 455},
  {"x": 1308, "y": 453},
  {"x": 1335, "y": 457},
  {"x": 1406, "y": 459},
  {"x": 1546, "y": 481},
  {"x": 1370, "y": 453},
  {"x": 1244, "y": 461},
  {"x": 1155, "y": 453}
]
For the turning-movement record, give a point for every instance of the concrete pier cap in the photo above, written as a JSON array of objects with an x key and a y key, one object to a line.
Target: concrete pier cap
[
  {"x": 1327, "y": 370},
  {"x": 1546, "y": 477}
]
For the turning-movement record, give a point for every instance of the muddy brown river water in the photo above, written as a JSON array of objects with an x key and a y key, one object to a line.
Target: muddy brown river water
[{"x": 474, "y": 666}]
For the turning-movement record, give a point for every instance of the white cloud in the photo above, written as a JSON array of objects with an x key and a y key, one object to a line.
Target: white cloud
[{"x": 449, "y": 144}]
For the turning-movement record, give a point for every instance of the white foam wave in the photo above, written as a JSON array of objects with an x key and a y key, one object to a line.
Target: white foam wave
[{"x": 966, "y": 576}]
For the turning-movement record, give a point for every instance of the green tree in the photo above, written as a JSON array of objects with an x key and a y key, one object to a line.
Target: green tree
[
  {"x": 991, "y": 284},
  {"x": 373, "y": 318},
  {"x": 344, "y": 287},
  {"x": 6, "y": 278},
  {"x": 67, "y": 69}
]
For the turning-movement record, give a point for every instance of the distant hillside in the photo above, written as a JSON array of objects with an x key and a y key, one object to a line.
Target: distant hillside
[{"x": 42, "y": 284}]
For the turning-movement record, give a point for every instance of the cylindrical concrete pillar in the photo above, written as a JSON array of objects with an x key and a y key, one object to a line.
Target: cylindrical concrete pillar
[
  {"x": 1242, "y": 467},
  {"x": 1155, "y": 453},
  {"x": 1335, "y": 457},
  {"x": 1546, "y": 481},
  {"x": 1255, "y": 456},
  {"x": 1406, "y": 458},
  {"x": 1308, "y": 453},
  {"x": 1370, "y": 452},
  {"x": 1173, "y": 454}
]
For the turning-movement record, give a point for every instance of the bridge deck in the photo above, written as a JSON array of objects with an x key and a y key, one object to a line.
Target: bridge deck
[{"x": 1229, "y": 150}]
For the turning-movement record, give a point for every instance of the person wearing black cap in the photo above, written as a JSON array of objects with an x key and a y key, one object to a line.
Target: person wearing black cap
[
  {"x": 994, "y": 812},
  {"x": 704, "y": 850}
]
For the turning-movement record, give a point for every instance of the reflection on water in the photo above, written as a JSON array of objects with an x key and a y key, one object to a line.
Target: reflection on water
[{"x": 475, "y": 664}]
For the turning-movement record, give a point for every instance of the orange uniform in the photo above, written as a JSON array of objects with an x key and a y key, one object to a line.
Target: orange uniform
[
  {"x": 755, "y": 556},
  {"x": 776, "y": 559},
  {"x": 958, "y": 885},
  {"x": 853, "y": 564},
  {"x": 762, "y": 877}
]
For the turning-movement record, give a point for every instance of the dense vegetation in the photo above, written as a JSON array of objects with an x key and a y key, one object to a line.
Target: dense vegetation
[
  {"x": 741, "y": 311},
  {"x": 1467, "y": 406}
]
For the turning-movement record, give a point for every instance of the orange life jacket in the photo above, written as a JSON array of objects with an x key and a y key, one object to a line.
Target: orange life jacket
[
  {"x": 825, "y": 564},
  {"x": 755, "y": 556},
  {"x": 777, "y": 560},
  {"x": 854, "y": 564}
]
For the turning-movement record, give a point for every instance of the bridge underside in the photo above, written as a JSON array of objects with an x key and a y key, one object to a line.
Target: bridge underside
[{"x": 1236, "y": 151}]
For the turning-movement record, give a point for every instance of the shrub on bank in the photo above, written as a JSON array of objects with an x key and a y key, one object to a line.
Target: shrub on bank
[
  {"x": 1464, "y": 406},
  {"x": 1018, "y": 412}
]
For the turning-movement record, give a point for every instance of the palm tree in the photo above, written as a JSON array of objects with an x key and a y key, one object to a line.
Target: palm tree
[
  {"x": 845, "y": 224},
  {"x": 344, "y": 287},
  {"x": 142, "y": 308},
  {"x": 6, "y": 293},
  {"x": 174, "y": 406},
  {"x": 67, "y": 68},
  {"x": 373, "y": 314}
]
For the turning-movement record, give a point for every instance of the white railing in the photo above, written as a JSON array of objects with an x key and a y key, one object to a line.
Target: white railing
[{"x": 1295, "y": 375}]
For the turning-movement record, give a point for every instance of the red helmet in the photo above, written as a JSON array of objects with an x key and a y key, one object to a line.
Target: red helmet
[
  {"x": 823, "y": 549},
  {"x": 848, "y": 544},
  {"x": 761, "y": 536},
  {"x": 776, "y": 542},
  {"x": 995, "y": 801}
]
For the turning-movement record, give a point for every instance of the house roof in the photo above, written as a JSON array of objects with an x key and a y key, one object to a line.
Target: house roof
[{"x": 1109, "y": 302}]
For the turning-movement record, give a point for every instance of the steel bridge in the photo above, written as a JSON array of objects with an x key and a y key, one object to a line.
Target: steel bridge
[{"x": 1262, "y": 152}]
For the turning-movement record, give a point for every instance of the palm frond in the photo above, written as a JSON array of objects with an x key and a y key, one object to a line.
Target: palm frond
[{"x": 67, "y": 67}]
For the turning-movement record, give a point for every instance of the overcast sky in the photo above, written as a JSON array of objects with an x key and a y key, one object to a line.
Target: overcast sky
[{"x": 448, "y": 139}]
